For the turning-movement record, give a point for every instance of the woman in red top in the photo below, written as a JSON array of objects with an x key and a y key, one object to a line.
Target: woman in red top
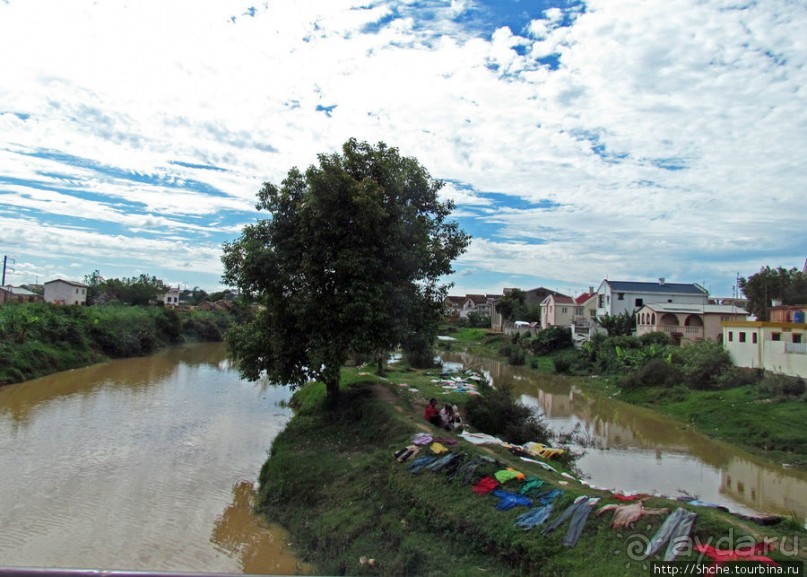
[{"x": 432, "y": 414}]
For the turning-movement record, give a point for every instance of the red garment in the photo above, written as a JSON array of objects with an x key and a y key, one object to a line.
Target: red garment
[
  {"x": 485, "y": 485},
  {"x": 720, "y": 556},
  {"x": 430, "y": 413}
]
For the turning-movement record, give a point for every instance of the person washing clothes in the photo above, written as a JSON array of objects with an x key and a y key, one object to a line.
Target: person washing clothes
[{"x": 432, "y": 414}]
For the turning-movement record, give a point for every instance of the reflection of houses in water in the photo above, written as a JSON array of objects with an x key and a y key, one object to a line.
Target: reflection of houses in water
[{"x": 765, "y": 489}]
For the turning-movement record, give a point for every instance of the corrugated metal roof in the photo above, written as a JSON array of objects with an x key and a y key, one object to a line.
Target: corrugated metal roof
[
  {"x": 18, "y": 291},
  {"x": 655, "y": 287}
]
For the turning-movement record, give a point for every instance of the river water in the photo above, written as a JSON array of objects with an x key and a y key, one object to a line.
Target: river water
[
  {"x": 140, "y": 464},
  {"x": 632, "y": 449}
]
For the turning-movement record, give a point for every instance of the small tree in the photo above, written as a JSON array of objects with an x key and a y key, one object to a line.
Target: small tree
[
  {"x": 618, "y": 325},
  {"x": 349, "y": 262}
]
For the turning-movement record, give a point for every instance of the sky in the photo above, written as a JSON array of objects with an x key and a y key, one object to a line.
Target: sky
[{"x": 580, "y": 140}]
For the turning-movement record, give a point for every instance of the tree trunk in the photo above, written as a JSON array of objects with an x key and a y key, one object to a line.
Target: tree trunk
[{"x": 332, "y": 390}]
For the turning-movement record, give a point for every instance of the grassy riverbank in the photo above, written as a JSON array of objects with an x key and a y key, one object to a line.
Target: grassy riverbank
[
  {"x": 755, "y": 411},
  {"x": 37, "y": 339},
  {"x": 332, "y": 481}
]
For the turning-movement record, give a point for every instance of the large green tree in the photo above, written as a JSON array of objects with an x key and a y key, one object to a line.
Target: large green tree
[
  {"x": 786, "y": 285},
  {"x": 349, "y": 261}
]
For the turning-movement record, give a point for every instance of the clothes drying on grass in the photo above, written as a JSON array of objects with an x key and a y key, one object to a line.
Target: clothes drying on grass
[
  {"x": 418, "y": 464},
  {"x": 675, "y": 532},
  {"x": 625, "y": 515},
  {"x": 406, "y": 453},
  {"x": 421, "y": 439},
  {"x": 530, "y": 484},
  {"x": 548, "y": 497},
  {"x": 467, "y": 471},
  {"x": 443, "y": 462},
  {"x": 485, "y": 485},
  {"x": 534, "y": 517},
  {"x": 509, "y": 500},
  {"x": 445, "y": 441},
  {"x": 577, "y": 513},
  {"x": 508, "y": 474},
  {"x": 438, "y": 448},
  {"x": 754, "y": 553}
]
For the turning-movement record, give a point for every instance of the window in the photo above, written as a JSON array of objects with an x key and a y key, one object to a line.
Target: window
[
  {"x": 731, "y": 336},
  {"x": 754, "y": 338},
  {"x": 796, "y": 338},
  {"x": 776, "y": 336},
  {"x": 639, "y": 302},
  {"x": 620, "y": 296},
  {"x": 563, "y": 310},
  {"x": 601, "y": 301},
  {"x": 742, "y": 336}
]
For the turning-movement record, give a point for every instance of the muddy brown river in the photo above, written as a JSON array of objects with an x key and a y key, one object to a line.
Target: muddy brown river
[
  {"x": 150, "y": 463},
  {"x": 632, "y": 449},
  {"x": 140, "y": 464}
]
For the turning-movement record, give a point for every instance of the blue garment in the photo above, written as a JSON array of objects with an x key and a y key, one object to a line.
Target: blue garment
[
  {"x": 418, "y": 464},
  {"x": 549, "y": 496},
  {"x": 508, "y": 500},
  {"x": 579, "y": 512},
  {"x": 442, "y": 462},
  {"x": 534, "y": 517},
  {"x": 675, "y": 529}
]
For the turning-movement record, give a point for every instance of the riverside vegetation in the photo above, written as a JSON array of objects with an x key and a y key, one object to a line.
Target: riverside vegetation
[
  {"x": 38, "y": 338},
  {"x": 352, "y": 509},
  {"x": 765, "y": 413}
]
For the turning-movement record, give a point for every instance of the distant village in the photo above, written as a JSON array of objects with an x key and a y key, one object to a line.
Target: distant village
[{"x": 686, "y": 312}]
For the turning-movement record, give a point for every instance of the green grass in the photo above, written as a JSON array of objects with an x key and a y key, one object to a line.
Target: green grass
[{"x": 332, "y": 481}]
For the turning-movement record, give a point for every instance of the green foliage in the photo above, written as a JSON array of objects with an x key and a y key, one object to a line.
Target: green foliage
[
  {"x": 702, "y": 363},
  {"x": 136, "y": 291},
  {"x": 787, "y": 285},
  {"x": 497, "y": 412},
  {"x": 776, "y": 385},
  {"x": 655, "y": 372},
  {"x": 349, "y": 262},
  {"x": 618, "y": 325},
  {"x": 549, "y": 340},
  {"x": 478, "y": 320},
  {"x": 39, "y": 338}
]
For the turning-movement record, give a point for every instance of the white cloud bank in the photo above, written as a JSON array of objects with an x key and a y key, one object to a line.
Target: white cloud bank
[{"x": 634, "y": 138}]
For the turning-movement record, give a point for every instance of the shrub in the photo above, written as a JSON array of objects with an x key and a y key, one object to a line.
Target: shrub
[
  {"x": 498, "y": 413},
  {"x": 562, "y": 365},
  {"x": 703, "y": 364},
  {"x": 655, "y": 338},
  {"x": 655, "y": 372},
  {"x": 517, "y": 356}
]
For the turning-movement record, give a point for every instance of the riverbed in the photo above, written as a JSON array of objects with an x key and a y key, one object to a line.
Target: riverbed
[{"x": 141, "y": 464}]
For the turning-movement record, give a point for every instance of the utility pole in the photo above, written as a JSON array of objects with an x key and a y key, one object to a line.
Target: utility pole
[{"x": 6, "y": 260}]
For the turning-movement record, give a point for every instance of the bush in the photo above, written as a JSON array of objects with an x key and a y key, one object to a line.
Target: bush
[
  {"x": 655, "y": 372},
  {"x": 703, "y": 364},
  {"x": 498, "y": 413},
  {"x": 517, "y": 356},
  {"x": 550, "y": 339},
  {"x": 562, "y": 365},
  {"x": 655, "y": 338},
  {"x": 777, "y": 385}
]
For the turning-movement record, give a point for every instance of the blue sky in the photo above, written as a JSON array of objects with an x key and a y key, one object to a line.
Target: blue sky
[{"x": 620, "y": 139}]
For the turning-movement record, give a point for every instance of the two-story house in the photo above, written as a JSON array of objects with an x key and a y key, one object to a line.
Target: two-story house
[
  {"x": 618, "y": 297},
  {"x": 557, "y": 310}
]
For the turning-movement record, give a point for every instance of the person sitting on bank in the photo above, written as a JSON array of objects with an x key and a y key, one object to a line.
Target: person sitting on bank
[
  {"x": 449, "y": 417},
  {"x": 431, "y": 413}
]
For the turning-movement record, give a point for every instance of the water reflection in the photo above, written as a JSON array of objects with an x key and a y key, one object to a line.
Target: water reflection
[
  {"x": 131, "y": 465},
  {"x": 246, "y": 537},
  {"x": 631, "y": 448}
]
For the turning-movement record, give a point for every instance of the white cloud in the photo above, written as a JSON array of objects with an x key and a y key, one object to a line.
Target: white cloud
[{"x": 668, "y": 133}]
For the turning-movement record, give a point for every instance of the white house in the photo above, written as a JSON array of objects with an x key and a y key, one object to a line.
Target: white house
[
  {"x": 687, "y": 322},
  {"x": 65, "y": 292},
  {"x": 617, "y": 297},
  {"x": 171, "y": 298},
  {"x": 773, "y": 346}
]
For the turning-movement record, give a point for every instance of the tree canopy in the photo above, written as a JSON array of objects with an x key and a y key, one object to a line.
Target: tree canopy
[
  {"x": 349, "y": 260},
  {"x": 786, "y": 285}
]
